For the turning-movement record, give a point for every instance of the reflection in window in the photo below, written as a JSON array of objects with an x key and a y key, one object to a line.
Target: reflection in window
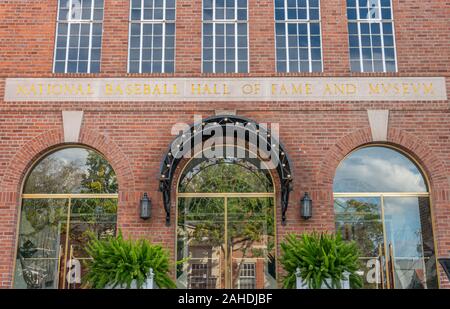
[
  {"x": 78, "y": 36},
  {"x": 225, "y": 175},
  {"x": 225, "y": 46},
  {"x": 226, "y": 240},
  {"x": 378, "y": 169},
  {"x": 371, "y": 36},
  {"x": 68, "y": 194},
  {"x": 152, "y": 36},
  {"x": 297, "y": 30},
  {"x": 381, "y": 202}
]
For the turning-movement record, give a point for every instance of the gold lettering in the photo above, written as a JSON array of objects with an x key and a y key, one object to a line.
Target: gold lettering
[
  {"x": 308, "y": 89},
  {"x": 225, "y": 89},
  {"x": 128, "y": 89},
  {"x": 138, "y": 89},
  {"x": 327, "y": 89},
  {"x": 57, "y": 89},
  {"x": 297, "y": 89},
  {"x": 351, "y": 88},
  {"x": 21, "y": 90},
  {"x": 428, "y": 89},
  {"x": 89, "y": 89},
  {"x": 196, "y": 89},
  {"x": 147, "y": 89},
  {"x": 374, "y": 89},
  {"x": 175, "y": 90},
  {"x": 119, "y": 90},
  {"x": 405, "y": 88},
  {"x": 206, "y": 89},
  {"x": 108, "y": 89},
  {"x": 274, "y": 89},
  {"x": 156, "y": 90}
]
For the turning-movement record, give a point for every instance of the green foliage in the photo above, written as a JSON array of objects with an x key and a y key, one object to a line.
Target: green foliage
[
  {"x": 117, "y": 262},
  {"x": 320, "y": 257}
]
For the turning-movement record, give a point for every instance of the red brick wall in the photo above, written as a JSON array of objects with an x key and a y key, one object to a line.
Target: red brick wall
[{"x": 134, "y": 136}]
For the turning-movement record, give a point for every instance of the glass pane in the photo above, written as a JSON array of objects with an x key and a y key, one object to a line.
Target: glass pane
[
  {"x": 200, "y": 238},
  {"x": 72, "y": 170},
  {"x": 225, "y": 175},
  {"x": 97, "y": 216},
  {"x": 41, "y": 240},
  {"x": 378, "y": 169},
  {"x": 251, "y": 242},
  {"x": 359, "y": 219},
  {"x": 410, "y": 237}
]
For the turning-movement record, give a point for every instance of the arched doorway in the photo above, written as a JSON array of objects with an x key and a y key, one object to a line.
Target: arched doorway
[
  {"x": 382, "y": 201},
  {"x": 69, "y": 193},
  {"x": 226, "y": 224}
]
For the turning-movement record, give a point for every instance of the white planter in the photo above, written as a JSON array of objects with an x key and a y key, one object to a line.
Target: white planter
[
  {"x": 300, "y": 284},
  {"x": 148, "y": 284}
]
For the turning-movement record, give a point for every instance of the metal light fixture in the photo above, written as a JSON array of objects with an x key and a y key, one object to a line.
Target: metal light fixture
[
  {"x": 306, "y": 207},
  {"x": 146, "y": 207}
]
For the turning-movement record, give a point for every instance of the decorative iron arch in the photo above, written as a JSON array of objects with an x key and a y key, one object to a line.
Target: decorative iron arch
[{"x": 253, "y": 133}]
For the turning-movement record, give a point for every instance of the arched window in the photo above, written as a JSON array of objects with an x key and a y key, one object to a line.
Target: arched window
[
  {"x": 226, "y": 224},
  {"x": 69, "y": 193},
  {"x": 381, "y": 201}
]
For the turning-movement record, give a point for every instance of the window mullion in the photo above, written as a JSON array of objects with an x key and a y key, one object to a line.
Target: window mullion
[
  {"x": 287, "y": 45},
  {"x": 214, "y": 45},
  {"x": 236, "y": 60},
  {"x": 163, "y": 51}
]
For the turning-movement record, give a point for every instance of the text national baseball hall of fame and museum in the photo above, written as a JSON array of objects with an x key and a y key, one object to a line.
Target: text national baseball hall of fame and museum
[{"x": 226, "y": 89}]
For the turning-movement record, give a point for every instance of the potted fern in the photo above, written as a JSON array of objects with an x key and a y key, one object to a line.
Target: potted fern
[
  {"x": 120, "y": 263},
  {"x": 321, "y": 260}
]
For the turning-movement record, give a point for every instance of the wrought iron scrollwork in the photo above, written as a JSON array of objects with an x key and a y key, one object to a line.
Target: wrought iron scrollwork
[{"x": 190, "y": 139}]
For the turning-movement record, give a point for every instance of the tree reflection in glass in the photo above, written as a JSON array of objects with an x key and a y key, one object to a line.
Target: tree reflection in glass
[{"x": 44, "y": 221}]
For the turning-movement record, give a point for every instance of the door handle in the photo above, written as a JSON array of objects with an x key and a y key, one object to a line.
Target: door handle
[
  {"x": 391, "y": 261},
  {"x": 380, "y": 257}
]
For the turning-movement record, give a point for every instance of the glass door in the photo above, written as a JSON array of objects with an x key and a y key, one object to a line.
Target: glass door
[
  {"x": 412, "y": 264},
  {"x": 41, "y": 241},
  {"x": 88, "y": 215},
  {"x": 360, "y": 219},
  {"x": 226, "y": 242},
  {"x": 200, "y": 242},
  {"x": 395, "y": 238},
  {"x": 251, "y": 242}
]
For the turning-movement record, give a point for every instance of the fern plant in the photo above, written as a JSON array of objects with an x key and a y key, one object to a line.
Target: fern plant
[
  {"x": 320, "y": 257},
  {"x": 117, "y": 262}
]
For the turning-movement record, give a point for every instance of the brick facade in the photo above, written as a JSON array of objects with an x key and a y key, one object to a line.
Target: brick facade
[{"x": 134, "y": 136}]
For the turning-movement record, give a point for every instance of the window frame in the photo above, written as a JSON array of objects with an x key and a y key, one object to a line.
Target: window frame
[
  {"x": 307, "y": 21},
  {"x": 80, "y": 21},
  {"x": 225, "y": 22},
  {"x": 358, "y": 21},
  {"x": 142, "y": 21}
]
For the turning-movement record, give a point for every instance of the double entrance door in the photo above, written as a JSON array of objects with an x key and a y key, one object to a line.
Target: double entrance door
[
  {"x": 394, "y": 235},
  {"x": 226, "y": 240},
  {"x": 54, "y": 230}
]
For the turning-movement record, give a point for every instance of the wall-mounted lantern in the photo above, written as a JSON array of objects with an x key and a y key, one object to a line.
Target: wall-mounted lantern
[
  {"x": 146, "y": 207},
  {"x": 306, "y": 207}
]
